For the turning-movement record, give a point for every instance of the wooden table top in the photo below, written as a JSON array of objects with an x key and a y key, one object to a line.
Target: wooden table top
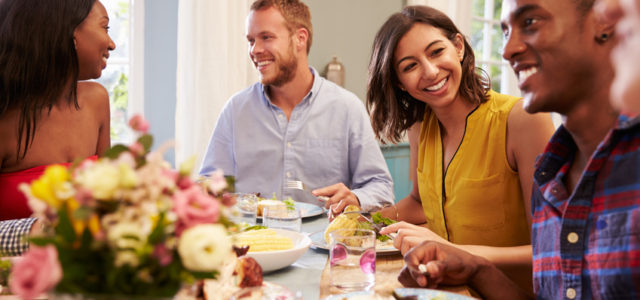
[{"x": 387, "y": 269}]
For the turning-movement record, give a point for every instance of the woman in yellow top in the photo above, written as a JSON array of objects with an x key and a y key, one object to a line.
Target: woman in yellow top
[{"x": 472, "y": 149}]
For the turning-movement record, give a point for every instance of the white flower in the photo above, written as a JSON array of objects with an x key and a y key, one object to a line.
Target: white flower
[
  {"x": 126, "y": 257},
  {"x": 127, "y": 235},
  {"x": 203, "y": 248},
  {"x": 102, "y": 179}
]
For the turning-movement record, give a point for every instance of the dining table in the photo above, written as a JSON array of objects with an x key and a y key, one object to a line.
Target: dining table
[{"x": 308, "y": 278}]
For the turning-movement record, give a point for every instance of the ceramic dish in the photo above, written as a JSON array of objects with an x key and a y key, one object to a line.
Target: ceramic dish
[
  {"x": 385, "y": 248},
  {"x": 307, "y": 210},
  {"x": 274, "y": 260}
]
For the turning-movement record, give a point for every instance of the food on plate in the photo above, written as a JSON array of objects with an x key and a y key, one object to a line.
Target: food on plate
[
  {"x": 343, "y": 221},
  {"x": 353, "y": 221},
  {"x": 248, "y": 272},
  {"x": 265, "y": 203},
  {"x": 262, "y": 203},
  {"x": 263, "y": 240},
  {"x": 234, "y": 275}
]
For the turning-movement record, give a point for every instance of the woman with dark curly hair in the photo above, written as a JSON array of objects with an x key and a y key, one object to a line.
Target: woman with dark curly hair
[
  {"x": 472, "y": 149},
  {"x": 48, "y": 114}
]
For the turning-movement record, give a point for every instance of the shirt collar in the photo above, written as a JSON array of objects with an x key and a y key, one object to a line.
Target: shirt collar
[{"x": 310, "y": 97}]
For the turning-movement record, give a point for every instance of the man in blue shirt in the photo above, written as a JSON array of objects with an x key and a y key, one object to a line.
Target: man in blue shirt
[{"x": 296, "y": 125}]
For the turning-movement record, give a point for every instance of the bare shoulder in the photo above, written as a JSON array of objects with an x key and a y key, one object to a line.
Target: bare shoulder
[
  {"x": 521, "y": 122},
  {"x": 94, "y": 97},
  {"x": 92, "y": 91}
]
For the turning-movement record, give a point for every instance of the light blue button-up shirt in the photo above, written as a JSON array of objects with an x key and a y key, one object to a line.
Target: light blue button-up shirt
[{"x": 327, "y": 140}]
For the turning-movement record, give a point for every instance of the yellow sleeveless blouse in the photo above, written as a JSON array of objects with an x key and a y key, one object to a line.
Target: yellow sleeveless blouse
[{"x": 479, "y": 199}]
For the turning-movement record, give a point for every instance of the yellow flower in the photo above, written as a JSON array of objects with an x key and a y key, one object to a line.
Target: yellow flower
[
  {"x": 53, "y": 186},
  {"x": 128, "y": 177}
]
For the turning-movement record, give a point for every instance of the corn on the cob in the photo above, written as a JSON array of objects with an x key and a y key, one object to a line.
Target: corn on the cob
[
  {"x": 343, "y": 221},
  {"x": 263, "y": 240}
]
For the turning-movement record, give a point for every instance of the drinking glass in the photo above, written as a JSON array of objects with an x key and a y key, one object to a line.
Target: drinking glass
[
  {"x": 244, "y": 211},
  {"x": 352, "y": 259},
  {"x": 282, "y": 216}
]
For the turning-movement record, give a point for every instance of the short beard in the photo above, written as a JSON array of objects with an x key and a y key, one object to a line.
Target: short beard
[{"x": 286, "y": 70}]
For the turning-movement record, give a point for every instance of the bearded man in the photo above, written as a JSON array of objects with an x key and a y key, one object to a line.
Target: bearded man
[{"x": 296, "y": 125}]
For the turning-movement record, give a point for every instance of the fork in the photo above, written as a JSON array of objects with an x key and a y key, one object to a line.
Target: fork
[{"x": 299, "y": 185}]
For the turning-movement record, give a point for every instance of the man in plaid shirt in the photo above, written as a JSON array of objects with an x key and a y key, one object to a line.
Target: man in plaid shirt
[{"x": 586, "y": 193}]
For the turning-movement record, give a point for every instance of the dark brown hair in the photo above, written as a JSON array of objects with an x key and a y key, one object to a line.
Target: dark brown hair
[
  {"x": 294, "y": 12},
  {"x": 392, "y": 110},
  {"x": 38, "y": 60}
]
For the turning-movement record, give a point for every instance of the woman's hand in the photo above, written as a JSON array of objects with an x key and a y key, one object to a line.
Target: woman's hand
[{"x": 409, "y": 235}]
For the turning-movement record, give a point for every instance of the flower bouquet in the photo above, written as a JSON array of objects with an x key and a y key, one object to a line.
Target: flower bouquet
[{"x": 125, "y": 224}]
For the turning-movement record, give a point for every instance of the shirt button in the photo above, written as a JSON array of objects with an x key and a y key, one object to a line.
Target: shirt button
[
  {"x": 571, "y": 293},
  {"x": 572, "y": 238},
  {"x": 280, "y": 116},
  {"x": 288, "y": 174},
  {"x": 554, "y": 190},
  {"x": 289, "y": 145}
]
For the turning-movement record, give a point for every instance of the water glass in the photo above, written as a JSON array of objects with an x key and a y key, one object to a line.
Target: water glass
[
  {"x": 352, "y": 259},
  {"x": 282, "y": 216},
  {"x": 244, "y": 211}
]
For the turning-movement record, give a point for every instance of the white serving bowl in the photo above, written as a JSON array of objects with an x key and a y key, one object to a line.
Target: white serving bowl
[{"x": 274, "y": 260}]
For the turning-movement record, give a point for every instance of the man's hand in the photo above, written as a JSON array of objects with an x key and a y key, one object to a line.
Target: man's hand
[
  {"x": 442, "y": 264},
  {"x": 339, "y": 197}
]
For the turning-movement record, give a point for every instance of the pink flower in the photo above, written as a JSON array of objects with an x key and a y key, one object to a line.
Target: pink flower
[
  {"x": 217, "y": 182},
  {"x": 193, "y": 207},
  {"x": 163, "y": 254},
  {"x": 136, "y": 148},
  {"x": 37, "y": 272},
  {"x": 138, "y": 123}
]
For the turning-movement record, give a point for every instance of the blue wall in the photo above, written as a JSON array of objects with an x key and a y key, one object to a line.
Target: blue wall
[{"x": 160, "y": 65}]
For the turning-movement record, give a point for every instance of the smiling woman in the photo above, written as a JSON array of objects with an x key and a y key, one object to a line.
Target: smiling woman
[
  {"x": 471, "y": 157},
  {"x": 48, "y": 114}
]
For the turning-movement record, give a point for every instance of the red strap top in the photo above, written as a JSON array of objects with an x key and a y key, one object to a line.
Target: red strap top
[{"x": 13, "y": 203}]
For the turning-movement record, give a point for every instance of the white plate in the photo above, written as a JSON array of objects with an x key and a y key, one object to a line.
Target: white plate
[
  {"x": 307, "y": 210},
  {"x": 422, "y": 294},
  {"x": 274, "y": 260},
  {"x": 317, "y": 241}
]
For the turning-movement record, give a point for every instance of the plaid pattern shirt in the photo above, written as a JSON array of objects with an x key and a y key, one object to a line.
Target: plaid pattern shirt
[
  {"x": 13, "y": 235},
  {"x": 587, "y": 245}
]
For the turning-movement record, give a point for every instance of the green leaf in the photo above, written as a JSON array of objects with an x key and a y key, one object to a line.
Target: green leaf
[
  {"x": 231, "y": 183},
  {"x": 115, "y": 151},
  {"x": 255, "y": 227},
  {"x": 379, "y": 219},
  {"x": 64, "y": 227},
  {"x": 157, "y": 233},
  {"x": 146, "y": 141},
  {"x": 41, "y": 241}
]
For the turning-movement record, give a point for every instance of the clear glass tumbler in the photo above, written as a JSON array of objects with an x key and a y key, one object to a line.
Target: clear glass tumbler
[
  {"x": 283, "y": 217},
  {"x": 352, "y": 259},
  {"x": 244, "y": 211}
]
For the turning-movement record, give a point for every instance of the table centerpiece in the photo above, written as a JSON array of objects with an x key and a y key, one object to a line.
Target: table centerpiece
[{"x": 126, "y": 224}]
